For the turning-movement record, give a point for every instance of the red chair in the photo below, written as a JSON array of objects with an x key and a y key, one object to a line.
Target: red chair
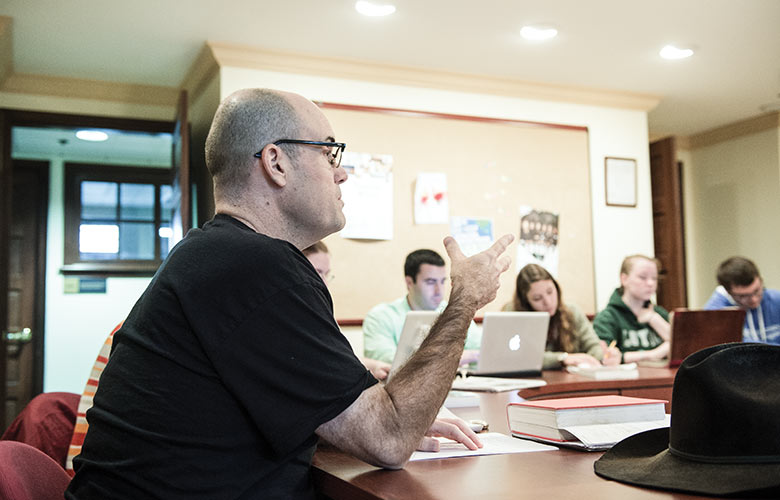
[
  {"x": 46, "y": 423},
  {"x": 27, "y": 473}
]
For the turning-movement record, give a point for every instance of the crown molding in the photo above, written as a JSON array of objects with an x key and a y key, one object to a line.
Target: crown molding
[
  {"x": 736, "y": 129},
  {"x": 201, "y": 72},
  {"x": 90, "y": 89},
  {"x": 6, "y": 48},
  {"x": 254, "y": 58}
]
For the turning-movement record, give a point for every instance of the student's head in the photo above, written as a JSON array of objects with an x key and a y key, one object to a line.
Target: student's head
[
  {"x": 319, "y": 257},
  {"x": 741, "y": 279},
  {"x": 639, "y": 277},
  {"x": 296, "y": 185},
  {"x": 537, "y": 290},
  {"x": 425, "y": 276}
]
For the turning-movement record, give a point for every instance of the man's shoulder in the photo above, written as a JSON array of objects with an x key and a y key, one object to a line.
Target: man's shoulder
[
  {"x": 773, "y": 296},
  {"x": 719, "y": 299}
]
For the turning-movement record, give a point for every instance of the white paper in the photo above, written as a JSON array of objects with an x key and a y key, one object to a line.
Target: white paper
[
  {"x": 606, "y": 435},
  {"x": 494, "y": 384},
  {"x": 494, "y": 443},
  {"x": 368, "y": 196},
  {"x": 431, "y": 200},
  {"x": 473, "y": 234}
]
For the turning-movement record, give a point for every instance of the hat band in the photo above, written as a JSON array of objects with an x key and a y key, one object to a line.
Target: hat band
[{"x": 739, "y": 459}]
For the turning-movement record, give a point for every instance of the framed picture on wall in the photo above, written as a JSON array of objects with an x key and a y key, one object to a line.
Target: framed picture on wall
[{"x": 620, "y": 182}]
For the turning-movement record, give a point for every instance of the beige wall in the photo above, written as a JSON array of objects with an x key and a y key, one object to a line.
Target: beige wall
[
  {"x": 732, "y": 192},
  {"x": 617, "y": 231}
]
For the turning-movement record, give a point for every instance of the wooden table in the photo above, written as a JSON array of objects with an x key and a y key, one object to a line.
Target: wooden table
[{"x": 548, "y": 474}]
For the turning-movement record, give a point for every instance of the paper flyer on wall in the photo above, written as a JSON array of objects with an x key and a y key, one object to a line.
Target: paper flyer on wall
[
  {"x": 538, "y": 242},
  {"x": 368, "y": 196},
  {"x": 431, "y": 201},
  {"x": 473, "y": 234}
]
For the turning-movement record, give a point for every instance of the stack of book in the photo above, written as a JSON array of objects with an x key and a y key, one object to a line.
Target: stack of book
[{"x": 590, "y": 423}]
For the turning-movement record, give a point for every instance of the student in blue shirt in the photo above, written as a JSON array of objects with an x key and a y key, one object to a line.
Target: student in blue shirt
[{"x": 741, "y": 285}]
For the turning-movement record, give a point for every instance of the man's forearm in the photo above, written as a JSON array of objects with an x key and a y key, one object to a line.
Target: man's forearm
[
  {"x": 386, "y": 423},
  {"x": 434, "y": 365}
]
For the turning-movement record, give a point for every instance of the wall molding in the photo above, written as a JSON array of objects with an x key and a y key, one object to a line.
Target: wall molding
[
  {"x": 90, "y": 89},
  {"x": 736, "y": 129},
  {"x": 201, "y": 72},
  {"x": 6, "y": 48},
  {"x": 241, "y": 56}
]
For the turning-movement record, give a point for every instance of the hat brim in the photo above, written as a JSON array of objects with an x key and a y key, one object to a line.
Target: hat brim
[{"x": 644, "y": 460}]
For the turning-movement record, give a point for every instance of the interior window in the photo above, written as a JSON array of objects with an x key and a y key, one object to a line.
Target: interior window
[{"x": 117, "y": 219}]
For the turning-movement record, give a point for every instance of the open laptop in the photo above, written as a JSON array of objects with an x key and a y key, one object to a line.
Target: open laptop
[
  {"x": 512, "y": 344},
  {"x": 416, "y": 327},
  {"x": 693, "y": 330}
]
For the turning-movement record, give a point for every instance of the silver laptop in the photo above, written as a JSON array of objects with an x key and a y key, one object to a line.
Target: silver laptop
[
  {"x": 416, "y": 327},
  {"x": 512, "y": 344}
]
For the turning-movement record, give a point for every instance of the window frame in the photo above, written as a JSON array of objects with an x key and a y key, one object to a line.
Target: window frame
[{"x": 75, "y": 173}]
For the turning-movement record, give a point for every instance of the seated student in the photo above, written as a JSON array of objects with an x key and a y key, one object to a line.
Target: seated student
[
  {"x": 740, "y": 284},
  {"x": 425, "y": 279},
  {"x": 640, "y": 328},
  {"x": 570, "y": 336},
  {"x": 319, "y": 256}
]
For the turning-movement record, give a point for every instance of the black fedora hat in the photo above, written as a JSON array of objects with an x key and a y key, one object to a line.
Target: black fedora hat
[{"x": 724, "y": 438}]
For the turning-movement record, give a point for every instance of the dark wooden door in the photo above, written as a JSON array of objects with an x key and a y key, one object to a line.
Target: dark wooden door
[
  {"x": 26, "y": 282},
  {"x": 668, "y": 228}
]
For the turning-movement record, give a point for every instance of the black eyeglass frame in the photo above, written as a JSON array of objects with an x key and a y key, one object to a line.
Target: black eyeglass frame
[{"x": 335, "y": 160}]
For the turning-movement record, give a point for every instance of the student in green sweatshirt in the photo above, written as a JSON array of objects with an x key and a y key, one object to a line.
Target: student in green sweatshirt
[{"x": 639, "y": 328}]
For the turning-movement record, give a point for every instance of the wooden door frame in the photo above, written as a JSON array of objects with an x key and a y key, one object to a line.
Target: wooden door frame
[{"x": 14, "y": 118}]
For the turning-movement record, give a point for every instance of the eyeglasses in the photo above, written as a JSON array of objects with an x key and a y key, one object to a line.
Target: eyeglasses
[
  {"x": 747, "y": 296},
  {"x": 334, "y": 156}
]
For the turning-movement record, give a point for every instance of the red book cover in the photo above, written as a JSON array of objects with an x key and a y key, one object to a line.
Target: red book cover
[{"x": 587, "y": 402}]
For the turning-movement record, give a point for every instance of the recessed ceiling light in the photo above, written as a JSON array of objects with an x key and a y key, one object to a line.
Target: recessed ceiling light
[
  {"x": 672, "y": 52},
  {"x": 374, "y": 10},
  {"x": 538, "y": 33},
  {"x": 92, "y": 135}
]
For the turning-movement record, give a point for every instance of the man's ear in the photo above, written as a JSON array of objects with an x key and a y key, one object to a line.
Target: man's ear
[
  {"x": 273, "y": 163},
  {"x": 409, "y": 282}
]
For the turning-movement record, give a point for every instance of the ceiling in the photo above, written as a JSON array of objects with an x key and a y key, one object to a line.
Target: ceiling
[{"x": 602, "y": 44}]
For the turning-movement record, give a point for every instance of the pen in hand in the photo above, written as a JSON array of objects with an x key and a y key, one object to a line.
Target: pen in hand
[{"x": 607, "y": 349}]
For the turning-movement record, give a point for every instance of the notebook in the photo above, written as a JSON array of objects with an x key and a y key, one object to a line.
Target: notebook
[
  {"x": 512, "y": 344},
  {"x": 693, "y": 330},
  {"x": 416, "y": 327}
]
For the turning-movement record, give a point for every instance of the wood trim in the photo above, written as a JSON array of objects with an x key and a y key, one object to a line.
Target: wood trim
[
  {"x": 6, "y": 49},
  {"x": 735, "y": 130},
  {"x": 41, "y": 119},
  {"x": 95, "y": 90},
  {"x": 6, "y": 187},
  {"x": 242, "y": 56},
  {"x": 359, "y": 321},
  {"x": 448, "y": 116},
  {"x": 201, "y": 72}
]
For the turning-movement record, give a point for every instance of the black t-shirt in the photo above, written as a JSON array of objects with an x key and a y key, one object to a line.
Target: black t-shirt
[{"x": 219, "y": 377}]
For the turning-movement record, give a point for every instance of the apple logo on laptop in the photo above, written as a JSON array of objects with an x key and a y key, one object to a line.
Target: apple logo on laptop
[{"x": 514, "y": 342}]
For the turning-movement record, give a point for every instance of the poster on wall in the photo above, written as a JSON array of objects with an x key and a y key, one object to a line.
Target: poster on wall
[
  {"x": 473, "y": 234},
  {"x": 431, "y": 201},
  {"x": 368, "y": 196},
  {"x": 538, "y": 241}
]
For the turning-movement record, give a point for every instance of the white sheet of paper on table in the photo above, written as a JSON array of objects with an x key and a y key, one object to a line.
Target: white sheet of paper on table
[{"x": 494, "y": 443}]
